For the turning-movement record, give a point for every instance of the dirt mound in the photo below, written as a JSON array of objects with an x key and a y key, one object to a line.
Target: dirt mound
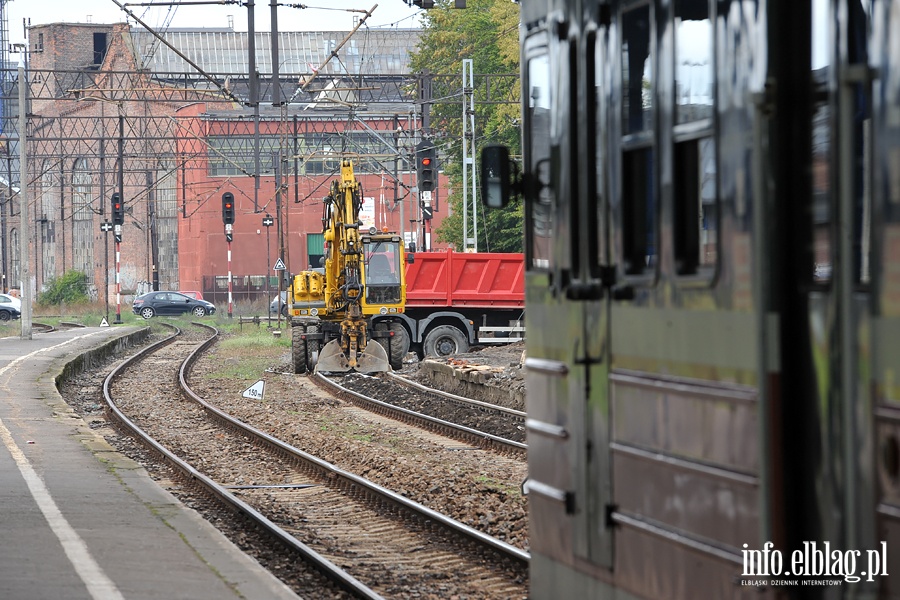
[{"x": 494, "y": 374}]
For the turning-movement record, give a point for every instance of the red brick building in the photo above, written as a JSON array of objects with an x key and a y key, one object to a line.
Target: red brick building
[
  {"x": 311, "y": 165},
  {"x": 115, "y": 110}
]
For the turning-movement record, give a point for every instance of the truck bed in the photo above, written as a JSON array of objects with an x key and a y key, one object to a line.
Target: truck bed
[{"x": 461, "y": 279}]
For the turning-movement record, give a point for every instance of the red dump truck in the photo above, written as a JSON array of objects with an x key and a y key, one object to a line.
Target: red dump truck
[{"x": 457, "y": 299}]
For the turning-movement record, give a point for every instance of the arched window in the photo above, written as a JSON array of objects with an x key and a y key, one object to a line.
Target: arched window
[
  {"x": 15, "y": 271},
  {"x": 47, "y": 216},
  {"x": 166, "y": 215},
  {"x": 82, "y": 219}
]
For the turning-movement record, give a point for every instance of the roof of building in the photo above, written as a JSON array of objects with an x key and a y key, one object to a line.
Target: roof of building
[{"x": 381, "y": 51}]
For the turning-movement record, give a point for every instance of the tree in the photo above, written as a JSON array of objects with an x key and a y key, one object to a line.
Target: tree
[
  {"x": 71, "y": 288},
  {"x": 486, "y": 31}
]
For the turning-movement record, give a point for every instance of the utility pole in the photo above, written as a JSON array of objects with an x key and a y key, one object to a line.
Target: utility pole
[
  {"x": 25, "y": 230},
  {"x": 470, "y": 244},
  {"x": 254, "y": 97}
]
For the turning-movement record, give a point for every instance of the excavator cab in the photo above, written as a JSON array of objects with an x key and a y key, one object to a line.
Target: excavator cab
[{"x": 383, "y": 274}]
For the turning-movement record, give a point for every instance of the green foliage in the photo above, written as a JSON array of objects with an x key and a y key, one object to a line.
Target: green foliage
[
  {"x": 487, "y": 32},
  {"x": 71, "y": 288},
  {"x": 252, "y": 339}
]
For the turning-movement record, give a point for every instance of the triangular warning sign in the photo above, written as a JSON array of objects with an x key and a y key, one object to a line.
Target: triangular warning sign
[
  {"x": 279, "y": 265},
  {"x": 104, "y": 322},
  {"x": 255, "y": 391}
]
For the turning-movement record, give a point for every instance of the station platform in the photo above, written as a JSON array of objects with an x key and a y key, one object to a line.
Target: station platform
[{"x": 79, "y": 520}]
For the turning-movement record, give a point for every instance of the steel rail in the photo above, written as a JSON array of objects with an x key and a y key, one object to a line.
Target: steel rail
[
  {"x": 221, "y": 493},
  {"x": 460, "y": 399},
  {"x": 349, "y": 479},
  {"x": 461, "y": 431}
]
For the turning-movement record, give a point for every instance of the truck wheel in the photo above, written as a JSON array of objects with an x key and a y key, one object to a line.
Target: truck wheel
[
  {"x": 298, "y": 349},
  {"x": 312, "y": 349},
  {"x": 444, "y": 341}
]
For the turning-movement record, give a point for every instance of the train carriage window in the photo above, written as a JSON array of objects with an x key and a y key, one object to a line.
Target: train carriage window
[
  {"x": 597, "y": 217},
  {"x": 696, "y": 215},
  {"x": 539, "y": 207},
  {"x": 639, "y": 215},
  {"x": 848, "y": 162},
  {"x": 821, "y": 190},
  {"x": 637, "y": 72},
  {"x": 695, "y": 199},
  {"x": 693, "y": 61}
]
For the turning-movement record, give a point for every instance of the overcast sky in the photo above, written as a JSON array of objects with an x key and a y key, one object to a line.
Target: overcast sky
[{"x": 321, "y": 14}]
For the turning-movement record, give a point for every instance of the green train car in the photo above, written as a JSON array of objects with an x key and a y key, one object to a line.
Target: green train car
[{"x": 712, "y": 201}]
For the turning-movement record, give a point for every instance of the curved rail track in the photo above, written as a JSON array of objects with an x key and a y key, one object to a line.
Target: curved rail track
[
  {"x": 385, "y": 539},
  {"x": 471, "y": 421}
]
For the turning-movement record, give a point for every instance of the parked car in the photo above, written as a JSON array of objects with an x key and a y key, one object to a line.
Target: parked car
[
  {"x": 10, "y": 307},
  {"x": 192, "y": 294},
  {"x": 170, "y": 303},
  {"x": 273, "y": 306}
]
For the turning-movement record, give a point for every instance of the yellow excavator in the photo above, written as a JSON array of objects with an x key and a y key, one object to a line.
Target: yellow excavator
[{"x": 334, "y": 309}]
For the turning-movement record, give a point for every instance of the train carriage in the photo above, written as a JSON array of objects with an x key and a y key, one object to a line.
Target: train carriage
[{"x": 712, "y": 192}]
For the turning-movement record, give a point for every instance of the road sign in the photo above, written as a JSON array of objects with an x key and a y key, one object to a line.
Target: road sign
[
  {"x": 279, "y": 265},
  {"x": 255, "y": 391}
]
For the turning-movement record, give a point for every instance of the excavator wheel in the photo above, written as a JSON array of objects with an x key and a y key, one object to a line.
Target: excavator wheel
[
  {"x": 396, "y": 346},
  {"x": 312, "y": 349},
  {"x": 298, "y": 348}
]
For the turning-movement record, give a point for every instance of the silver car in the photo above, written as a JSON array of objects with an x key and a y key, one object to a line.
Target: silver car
[{"x": 273, "y": 306}]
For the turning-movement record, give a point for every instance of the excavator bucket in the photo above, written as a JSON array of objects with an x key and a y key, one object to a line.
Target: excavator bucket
[
  {"x": 372, "y": 360},
  {"x": 332, "y": 358}
]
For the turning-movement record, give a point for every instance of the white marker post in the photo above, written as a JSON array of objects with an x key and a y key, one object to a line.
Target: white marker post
[{"x": 255, "y": 391}]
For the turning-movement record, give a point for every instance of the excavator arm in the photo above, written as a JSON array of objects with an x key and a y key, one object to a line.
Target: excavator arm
[{"x": 344, "y": 287}]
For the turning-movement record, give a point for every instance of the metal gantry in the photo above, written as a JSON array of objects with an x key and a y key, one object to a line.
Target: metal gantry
[{"x": 128, "y": 128}]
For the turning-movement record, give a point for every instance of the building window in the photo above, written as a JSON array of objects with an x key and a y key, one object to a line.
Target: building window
[
  {"x": 99, "y": 48},
  {"x": 317, "y": 153},
  {"x": 82, "y": 218}
]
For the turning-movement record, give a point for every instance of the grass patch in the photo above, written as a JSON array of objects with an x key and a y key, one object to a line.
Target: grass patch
[
  {"x": 502, "y": 486},
  {"x": 246, "y": 354},
  {"x": 253, "y": 340}
]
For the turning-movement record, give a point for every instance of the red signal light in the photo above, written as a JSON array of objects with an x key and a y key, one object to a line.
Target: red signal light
[
  {"x": 118, "y": 210},
  {"x": 228, "y": 208},
  {"x": 426, "y": 161}
]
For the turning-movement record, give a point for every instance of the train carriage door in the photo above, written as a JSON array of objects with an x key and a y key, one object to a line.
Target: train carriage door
[
  {"x": 567, "y": 320},
  {"x": 876, "y": 28},
  {"x": 852, "y": 277},
  {"x": 829, "y": 333},
  {"x": 840, "y": 301}
]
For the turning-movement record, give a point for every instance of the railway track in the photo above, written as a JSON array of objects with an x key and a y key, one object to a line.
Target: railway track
[
  {"x": 479, "y": 423},
  {"x": 356, "y": 536}
]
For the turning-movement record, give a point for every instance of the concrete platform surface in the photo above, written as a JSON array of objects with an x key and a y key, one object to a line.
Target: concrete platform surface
[{"x": 79, "y": 520}]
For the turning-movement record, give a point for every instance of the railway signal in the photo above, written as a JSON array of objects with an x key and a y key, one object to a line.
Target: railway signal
[
  {"x": 426, "y": 166},
  {"x": 118, "y": 210},
  {"x": 228, "y": 208}
]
